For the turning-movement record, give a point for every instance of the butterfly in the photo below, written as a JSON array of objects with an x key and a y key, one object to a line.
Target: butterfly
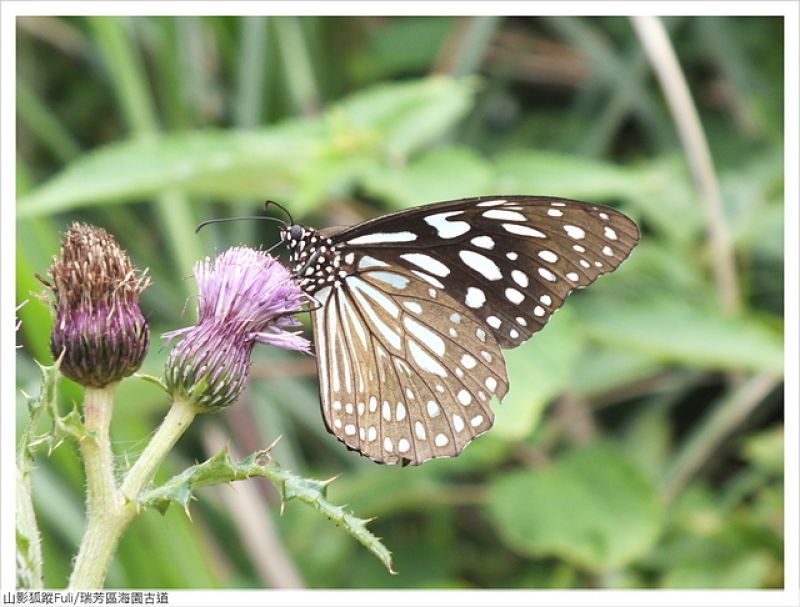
[{"x": 412, "y": 310}]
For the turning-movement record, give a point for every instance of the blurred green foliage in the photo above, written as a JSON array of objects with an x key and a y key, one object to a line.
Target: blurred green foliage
[{"x": 641, "y": 443}]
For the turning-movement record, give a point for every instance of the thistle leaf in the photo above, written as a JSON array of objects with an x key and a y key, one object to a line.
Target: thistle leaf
[
  {"x": 46, "y": 403},
  {"x": 221, "y": 469},
  {"x": 28, "y": 539},
  {"x": 152, "y": 379}
]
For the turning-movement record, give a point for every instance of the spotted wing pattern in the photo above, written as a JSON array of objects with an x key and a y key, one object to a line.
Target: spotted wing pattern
[{"x": 415, "y": 306}]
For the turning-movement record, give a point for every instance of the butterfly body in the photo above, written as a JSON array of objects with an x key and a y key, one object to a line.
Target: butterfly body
[{"x": 414, "y": 307}]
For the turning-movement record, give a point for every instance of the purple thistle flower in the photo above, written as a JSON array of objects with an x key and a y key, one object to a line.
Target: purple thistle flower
[
  {"x": 245, "y": 297},
  {"x": 99, "y": 330}
]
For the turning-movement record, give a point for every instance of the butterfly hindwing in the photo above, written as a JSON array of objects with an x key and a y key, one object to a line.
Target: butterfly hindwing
[{"x": 405, "y": 376}]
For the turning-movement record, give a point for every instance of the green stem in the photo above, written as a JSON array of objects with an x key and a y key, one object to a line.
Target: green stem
[
  {"x": 110, "y": 511},
  {"x": 102, "y": 502},
  {"x": 174, "y": 425},
  {"x": 95, "y": 449}
]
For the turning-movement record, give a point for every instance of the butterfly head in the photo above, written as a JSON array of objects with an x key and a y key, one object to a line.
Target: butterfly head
[{"x": 313, "y": 259}]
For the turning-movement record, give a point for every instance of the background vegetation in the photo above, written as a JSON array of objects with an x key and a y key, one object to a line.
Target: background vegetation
[{"x": 641, "y": 443}]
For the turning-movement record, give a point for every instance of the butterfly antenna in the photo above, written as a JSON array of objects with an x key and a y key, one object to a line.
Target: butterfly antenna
[
  {"x": 281, "y": 207},
  {"x": 203, "y": 224},
  {"x": 275, "y": 246}
]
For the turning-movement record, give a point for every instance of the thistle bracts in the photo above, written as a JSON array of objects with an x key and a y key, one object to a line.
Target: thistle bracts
[
  {"x": 99, "y": 332},
  {"x": 245, "y": 297}
]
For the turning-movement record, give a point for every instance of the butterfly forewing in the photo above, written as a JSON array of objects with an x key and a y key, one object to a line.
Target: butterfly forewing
[
  {"x": 511, "y": 261},
  {"x": 414, "y": 307}
]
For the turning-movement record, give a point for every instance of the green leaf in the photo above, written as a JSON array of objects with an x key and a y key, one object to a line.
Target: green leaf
[
  {"x": 765, "y": 450},
  {"x": 539, "y": 370},
  {"x": 46, "y": 403},
  {"x": 671, "y": 329},
  {"x": 152, "y": 379},
  {"x": 29, "y": 551},
  {"x": 297, "y": 160},
  {"x": 441, "y": 174},
  {"x": 721, "y": 570},
  {"x": 221, "y": 469},
  {"x": 567, "y": 176},
  {"x": 592, "y": 508},
  {"x": 599, "y": 370}
]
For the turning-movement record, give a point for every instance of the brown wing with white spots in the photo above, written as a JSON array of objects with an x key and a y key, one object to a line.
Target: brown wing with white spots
[
  {"x": 405, "y": 374},
  {"x": 510, "y": 261}
]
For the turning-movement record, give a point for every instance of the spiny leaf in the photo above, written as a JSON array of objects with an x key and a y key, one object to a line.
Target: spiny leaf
[
  {"x": 28, "y": 542},
  {"x": 46, "y": 403},
  {"x": 221, "y": 469}
]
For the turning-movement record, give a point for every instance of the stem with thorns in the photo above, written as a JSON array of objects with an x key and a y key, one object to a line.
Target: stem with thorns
[{"x": 110, "y": 509}]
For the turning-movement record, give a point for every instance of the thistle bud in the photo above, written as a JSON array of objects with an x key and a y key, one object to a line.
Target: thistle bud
[
  {"x": 245, "y": 297},
  {"x": 99, "y": 330}
]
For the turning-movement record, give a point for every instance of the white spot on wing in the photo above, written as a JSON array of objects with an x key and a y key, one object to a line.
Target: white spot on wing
[
  {"x": 370, "y": 262},
  {"x": 464, "y": 397},
  {"x": 523, "y": 230},
  {"x": 484, "y": 242},
  {"x": 322, "y": 295},
  {"x": 390, "y": 278},
  {"x": 475, "y": 297},
  {"x": 610, "y": 234},
  {"x": 548, "y": 256},
  {"x": 424, "y": 360},
  {"x": 547, "y": 274},
  {"x": 514, "y": 296},
  {"x": 440, "y": 440},
  {"x": 427, "y": 263},
  {"x": 425, "y": 335},
  {"x": 520, "y": 278},
  {"x": 468, "y": 361},
  {"x": 503, "y": 215},
  {"x": 428, "y": 278},
  {"x": 574, "y": 232},
  {"x": 481, "y": 264},
  {"x": 384, "y": 237},
  {"x": 446, "y": 228},
  {"x": 413, "y": 306}
]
